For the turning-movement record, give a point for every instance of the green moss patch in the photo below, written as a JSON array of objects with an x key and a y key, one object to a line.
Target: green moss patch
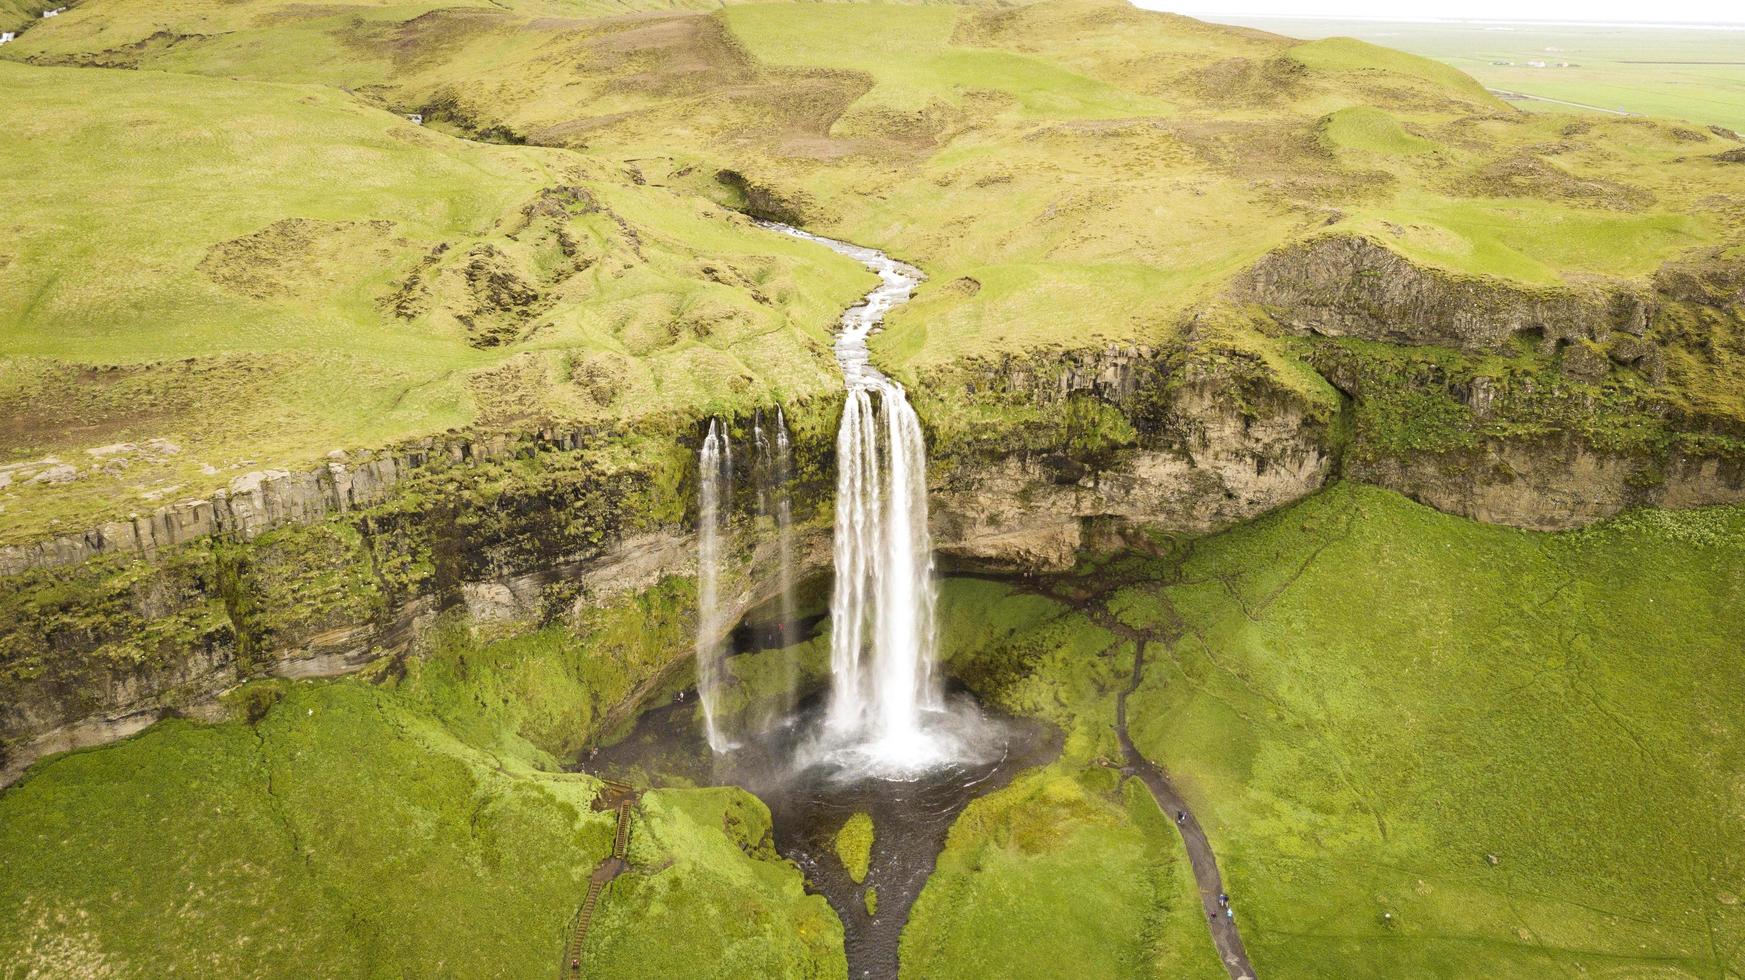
[
  {"x": 854, "y": 845},
  {"x": 1059, "y": 867},
  {"x": 345, "y": 829}
]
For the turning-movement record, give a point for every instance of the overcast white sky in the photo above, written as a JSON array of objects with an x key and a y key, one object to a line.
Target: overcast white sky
[{"x": 1642, "y": 11}]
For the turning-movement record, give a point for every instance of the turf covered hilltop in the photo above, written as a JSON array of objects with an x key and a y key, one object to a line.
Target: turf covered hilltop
[
  {"x": 380, "y": 340},
  {"x": 1071, "y": 175}
]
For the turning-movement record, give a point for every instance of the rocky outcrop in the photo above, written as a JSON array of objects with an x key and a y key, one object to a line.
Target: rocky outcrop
[
  {"x": 1151, "y": 438},
  {"x": 307, "y": 578},
  {"x": 1351, "y": 286},
  {"x": 1553, "y": 482},
  {"x": 257, "y": 502},
  {"x": 761, "y": 200}
]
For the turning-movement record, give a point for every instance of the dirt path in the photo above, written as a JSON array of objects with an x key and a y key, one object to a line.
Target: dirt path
[
  {"x": 1093, "y": 604},
  {"x": 1223, "y": 928}
]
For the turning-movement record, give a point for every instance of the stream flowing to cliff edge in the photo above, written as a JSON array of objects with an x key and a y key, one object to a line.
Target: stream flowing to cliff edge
[
  {"x": 884, "y": 739},
  {"x": 887, "y": 716}
]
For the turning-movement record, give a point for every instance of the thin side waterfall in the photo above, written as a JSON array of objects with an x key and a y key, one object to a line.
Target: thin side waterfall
[
  {"x": 782, "y": 500},
  {"x": 775, "y": 502},
  {"x": 715, "y": 472}
]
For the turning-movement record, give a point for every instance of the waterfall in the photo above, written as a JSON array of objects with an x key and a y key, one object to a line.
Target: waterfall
[
  {"x": 715, "y": 476},
  {"x": 775, "y": 501},
  {"x": 781, "y": 475},
  {"x": 883, "y": 642}
]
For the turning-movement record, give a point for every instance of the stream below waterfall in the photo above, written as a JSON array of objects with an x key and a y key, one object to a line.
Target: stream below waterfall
[{"x": 808, "y": 806}]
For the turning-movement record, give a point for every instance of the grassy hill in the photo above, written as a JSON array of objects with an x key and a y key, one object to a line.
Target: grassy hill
[
  {"x": 249, "y": 274},
  {"x": 284, "y": 267},
  {"x": 1422, "y": 747}
]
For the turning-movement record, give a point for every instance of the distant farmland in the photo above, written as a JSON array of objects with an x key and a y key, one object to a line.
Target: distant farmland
[{"x": 1686, "y": 73}]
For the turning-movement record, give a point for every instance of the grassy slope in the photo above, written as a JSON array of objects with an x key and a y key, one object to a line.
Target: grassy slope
[
  {"x": 291, "y": 351},
  {"x": 1373, "y": 697},
  {"x": 1062, "y": 867},
  {"x": 1068, "y": 172},
  {"x": 1369, "y": 698},
  {"x": 350, "y": 832},
  {"x": 1067, "y": 864},
  {"x": 1095, "y": 169}
]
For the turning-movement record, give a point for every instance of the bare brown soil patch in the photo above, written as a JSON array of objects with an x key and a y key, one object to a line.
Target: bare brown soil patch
[{"x": 286, "y": 255}]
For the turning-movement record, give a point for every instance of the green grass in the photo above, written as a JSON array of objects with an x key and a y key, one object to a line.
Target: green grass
[
  {"x": 119, "y": 324},
  {"x": 1344, "y": 54},
  {"x": 1372, "y": 130},
  {"x": 348, "y": 831},
  {"x": 854, "y": 845},
  {"x": 1370, "y": 698},
  {"x": 1068, "y": 864},
  {"x": 340, "y": 834},
  {"x": 716, "y": 900},
  {"x": 1060, "y": 870},
  {"x": 1530, "y": 241},
  {"x": 909, "y": 54},
  {"x": 1366, "y": 702},
  {"x": 1681, "y": 73}
]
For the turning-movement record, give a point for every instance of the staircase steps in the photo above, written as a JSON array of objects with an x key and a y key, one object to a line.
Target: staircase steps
[{"x": 571, "y": 968}]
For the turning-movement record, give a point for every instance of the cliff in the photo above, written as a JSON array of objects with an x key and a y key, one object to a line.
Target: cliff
[{"x": 1396, "y": 375}]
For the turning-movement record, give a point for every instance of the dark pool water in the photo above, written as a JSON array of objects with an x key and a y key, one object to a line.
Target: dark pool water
[{"x": 911, "y": 817}]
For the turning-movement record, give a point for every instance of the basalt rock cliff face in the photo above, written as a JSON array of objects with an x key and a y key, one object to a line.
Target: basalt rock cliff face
[
  {"x": 1543, "y": 408},
  {"x": 257, "y": 502},
  {"x": 316, "y": 574},
  {"x": 1344, "y": 361},
  {"x": 1554, "y": 481},
  {"x": 1167, "y": 439},
  {"x": 500, "y": 532},
  {"x": 1351, "y": 286}
]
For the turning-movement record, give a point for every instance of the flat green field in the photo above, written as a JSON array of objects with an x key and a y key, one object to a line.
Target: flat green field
[
  {"x": 1421, "y": 746},
  {"x": 1678, "y": 73}
]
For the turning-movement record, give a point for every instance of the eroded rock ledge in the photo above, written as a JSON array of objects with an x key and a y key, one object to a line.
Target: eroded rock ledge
[
  {"x": 505, "y": 533},
  {"x": 1544, "y": 408},
  {"x": 1182, "y": 440},
  {"x": 258, "y": 502},
  {"x": 1351, "y": 286}
]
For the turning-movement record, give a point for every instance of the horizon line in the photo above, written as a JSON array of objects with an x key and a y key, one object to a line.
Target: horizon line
[{"x": 1527, "y": 22}]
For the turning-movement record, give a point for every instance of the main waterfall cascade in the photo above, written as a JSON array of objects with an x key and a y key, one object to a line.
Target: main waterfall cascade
[
  {"x": 887, "y": 714},
  {"x": 715, "y": 479}
]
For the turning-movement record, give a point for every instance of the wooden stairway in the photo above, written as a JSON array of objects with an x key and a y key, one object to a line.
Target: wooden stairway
[
  {"x": 608, "y": 869},
  {"x": 622, "y": 844}
]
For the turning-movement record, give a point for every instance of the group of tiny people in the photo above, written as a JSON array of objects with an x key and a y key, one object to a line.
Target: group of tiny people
[{"x": 1181, "y": 817}]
